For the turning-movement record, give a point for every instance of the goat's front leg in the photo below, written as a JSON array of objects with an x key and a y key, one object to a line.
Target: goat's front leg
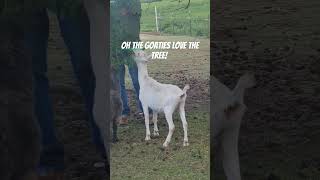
[
  {"x": 146, "y": 121},
  {"x": 155, "y": 123},
  {"x": 168, "y": 114}
]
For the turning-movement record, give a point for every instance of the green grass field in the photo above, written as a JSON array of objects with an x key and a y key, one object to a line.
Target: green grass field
[{"x": 173, "y": 21}]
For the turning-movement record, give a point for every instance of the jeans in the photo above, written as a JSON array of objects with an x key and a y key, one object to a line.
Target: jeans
[
  {"x": 133, "y": 71},
  {"x": 75, "y": 32}
]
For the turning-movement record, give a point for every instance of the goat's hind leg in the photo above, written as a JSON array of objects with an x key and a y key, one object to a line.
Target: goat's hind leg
[
  {"x": 184, "y": 124},
  {"x": 155, "y": 124},
  {"x": 146, "y": 121},
  {"x": 168, "y": 114}
]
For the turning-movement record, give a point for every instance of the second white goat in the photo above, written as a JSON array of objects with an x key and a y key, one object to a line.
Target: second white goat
[{"x": 160, "y": 98}]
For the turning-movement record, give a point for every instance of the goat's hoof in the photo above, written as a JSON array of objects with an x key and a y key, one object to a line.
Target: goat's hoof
[
  {"x": 165, "y": 149},
  {"x": 147, "y": 138},
  {"x": 185, "y": 143},
  {"x": 156, "y": 133},
  {"x": 165, "y": 145}
]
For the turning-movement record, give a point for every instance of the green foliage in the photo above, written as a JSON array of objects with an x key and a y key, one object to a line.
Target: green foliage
[{"x": 125, "y": 26}]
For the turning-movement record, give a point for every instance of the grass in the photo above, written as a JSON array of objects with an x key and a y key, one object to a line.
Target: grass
[
  {"x": 133, "y": 158},
  {"x": 175, "y": 21}
]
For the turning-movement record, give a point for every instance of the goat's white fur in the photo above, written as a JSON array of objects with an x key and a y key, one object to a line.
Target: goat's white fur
[
  {"x": 160, "y": 98},
  {"x": 228, "y": 110}
]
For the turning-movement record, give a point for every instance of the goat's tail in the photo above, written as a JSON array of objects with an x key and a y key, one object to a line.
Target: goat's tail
[{"x": 186, "y": 87}]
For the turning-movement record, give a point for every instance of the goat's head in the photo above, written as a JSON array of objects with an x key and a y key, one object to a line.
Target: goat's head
[{"x": 141, "y": 57}]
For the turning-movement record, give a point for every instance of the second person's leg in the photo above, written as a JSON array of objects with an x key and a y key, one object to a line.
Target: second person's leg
[
  {"x": 36, "y": 34},
  {"x": 75, "y": 31}
]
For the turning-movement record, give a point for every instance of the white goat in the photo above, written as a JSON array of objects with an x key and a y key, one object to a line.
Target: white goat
[
  {"x": 160, "y": 97},
  {"x": 229, "y": 109}
]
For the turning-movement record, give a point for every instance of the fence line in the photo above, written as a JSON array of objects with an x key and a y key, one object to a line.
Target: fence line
[{"x": 193, "y": 26}]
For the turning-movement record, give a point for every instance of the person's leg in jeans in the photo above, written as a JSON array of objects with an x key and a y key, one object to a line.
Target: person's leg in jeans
[
  {"x": 52, "y": 154},
  {"x": 133, "y": 71},
  {"x": 76, "y": 34},
  {"x": 124, "y": 96}
]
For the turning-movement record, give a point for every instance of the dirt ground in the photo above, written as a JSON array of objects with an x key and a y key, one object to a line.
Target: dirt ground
[
  {"x": 280, "y": 42},
  {"x": 73, "y": 130}
]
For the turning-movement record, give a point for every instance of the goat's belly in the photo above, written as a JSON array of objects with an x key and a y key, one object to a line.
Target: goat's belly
[
  {"x": 156, "y": 108},
  {"x": 155, "y": 105},
  {"x": 152, "y": 102}
]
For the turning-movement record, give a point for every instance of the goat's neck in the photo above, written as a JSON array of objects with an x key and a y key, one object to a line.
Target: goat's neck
[{"x": 142, "y": 73}]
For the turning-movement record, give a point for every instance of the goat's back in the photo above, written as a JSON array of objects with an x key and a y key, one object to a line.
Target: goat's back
[
  {"x": 158, "y": 88},
  {"x": 158, "y": 95}
]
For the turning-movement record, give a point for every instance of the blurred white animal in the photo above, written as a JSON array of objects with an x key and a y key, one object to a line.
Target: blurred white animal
[
  {"x": 228, "y": 110},
  {"x": 160, "y": 97}
]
